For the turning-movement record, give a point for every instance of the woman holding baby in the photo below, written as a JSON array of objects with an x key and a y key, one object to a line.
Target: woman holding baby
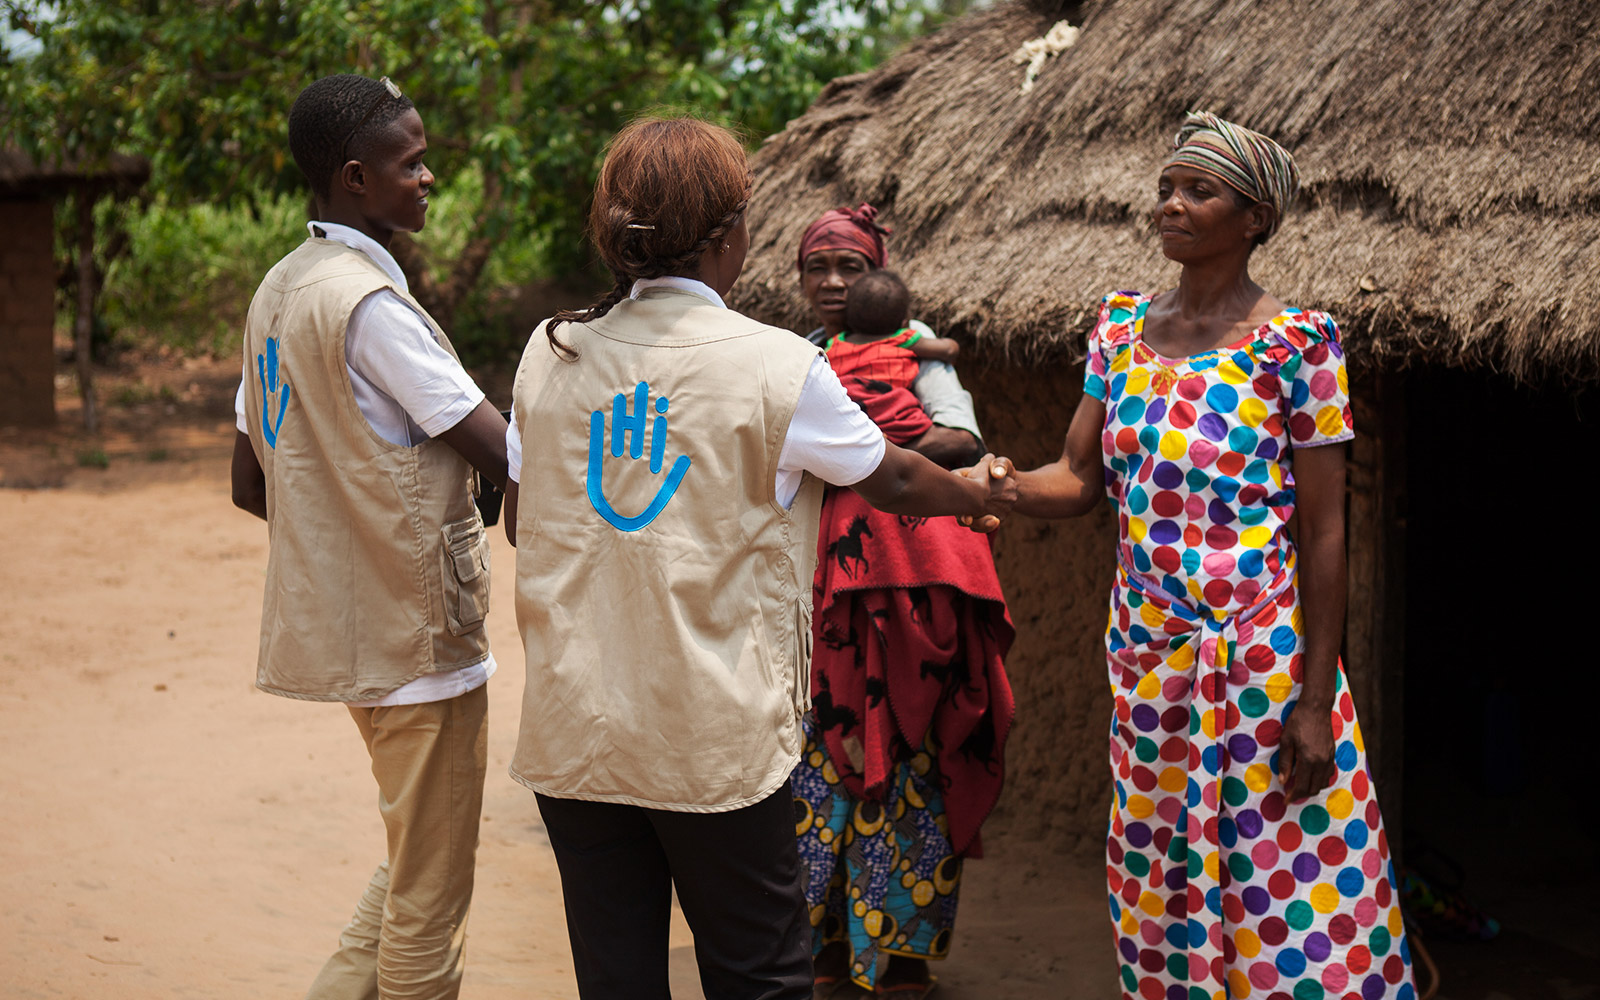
[{"x": 903, "y": 756}]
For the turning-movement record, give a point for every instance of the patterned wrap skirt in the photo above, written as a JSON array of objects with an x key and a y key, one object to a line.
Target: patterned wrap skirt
[
  {"x": 1220, "y": 889},
  {"x": 881, "y": 877}
]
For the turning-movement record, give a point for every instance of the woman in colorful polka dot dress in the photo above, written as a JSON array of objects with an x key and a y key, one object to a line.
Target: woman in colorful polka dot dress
[{"x": 1246, "y": 854}]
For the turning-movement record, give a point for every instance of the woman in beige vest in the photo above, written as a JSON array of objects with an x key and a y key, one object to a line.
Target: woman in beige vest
[{"x": 672, "y": 453}]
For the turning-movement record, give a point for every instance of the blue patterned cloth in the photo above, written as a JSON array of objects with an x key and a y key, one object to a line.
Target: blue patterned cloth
[{"x": 880, "y": 876}]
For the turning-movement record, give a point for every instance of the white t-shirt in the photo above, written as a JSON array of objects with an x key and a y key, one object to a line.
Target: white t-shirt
[
  {"x": 407, "y": 386},
  {"x": 829, "y": 435},
  {"x": 410, "y": 389}
]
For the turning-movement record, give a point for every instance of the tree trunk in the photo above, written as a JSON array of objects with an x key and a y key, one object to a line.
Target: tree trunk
[
  {"x": 83, "y": 326},
  {"x": 442, "y": 298}
]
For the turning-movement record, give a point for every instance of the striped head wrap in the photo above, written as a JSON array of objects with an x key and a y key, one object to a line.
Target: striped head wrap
[{"x": 1246, "y": 161}]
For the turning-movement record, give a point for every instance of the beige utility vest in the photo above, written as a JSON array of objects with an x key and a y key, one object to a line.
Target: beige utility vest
[
  {"x": 663, "y": 593},
  {"x": 378, "y": 570}
]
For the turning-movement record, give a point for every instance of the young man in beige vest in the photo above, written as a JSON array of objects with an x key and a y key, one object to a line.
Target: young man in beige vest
[{"x": 358, "y": 435}]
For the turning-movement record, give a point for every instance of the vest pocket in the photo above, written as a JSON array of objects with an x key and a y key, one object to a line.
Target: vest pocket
[
  {"x": 802, "y": 659},
  {"x": 466, "y": 575}
]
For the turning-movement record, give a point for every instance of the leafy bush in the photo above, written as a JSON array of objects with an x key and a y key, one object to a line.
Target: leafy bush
[
  {"x": 518, "y": 97},
  {"x": 186, "y": 273},
  {"x": 189, "y": 270}
]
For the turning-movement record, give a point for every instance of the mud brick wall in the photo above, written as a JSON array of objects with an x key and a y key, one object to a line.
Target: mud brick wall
[
  {"x": 27, "y": 313},
  {"x": 1057, "y": 579}
]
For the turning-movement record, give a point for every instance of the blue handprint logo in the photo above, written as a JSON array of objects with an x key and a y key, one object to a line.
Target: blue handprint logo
[
  {"x": 623, "y": 424},
  {"x": 267, "y": 366}
]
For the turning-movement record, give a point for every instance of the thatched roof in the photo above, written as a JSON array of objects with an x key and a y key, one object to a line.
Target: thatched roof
[
  {"x": 1450, "y": 152},
  {"x": 21, "y": 174}
]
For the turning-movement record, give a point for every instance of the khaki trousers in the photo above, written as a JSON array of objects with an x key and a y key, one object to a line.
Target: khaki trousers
[{"x": 405, "y": 940}]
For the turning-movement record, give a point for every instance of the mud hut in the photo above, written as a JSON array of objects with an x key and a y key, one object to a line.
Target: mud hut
[
  {"x": 1450, "y": 220},
  {"x": 29, "y": 191}
]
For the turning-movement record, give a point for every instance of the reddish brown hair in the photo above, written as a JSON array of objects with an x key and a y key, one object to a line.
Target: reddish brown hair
[{"x": 669, "y": 190}]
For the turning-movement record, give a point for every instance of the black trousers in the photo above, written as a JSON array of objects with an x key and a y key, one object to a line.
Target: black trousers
[{"x": 738, "y": 880}]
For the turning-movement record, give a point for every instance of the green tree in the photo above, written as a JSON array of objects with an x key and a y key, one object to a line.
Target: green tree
[{"x": 518, "y": 95}]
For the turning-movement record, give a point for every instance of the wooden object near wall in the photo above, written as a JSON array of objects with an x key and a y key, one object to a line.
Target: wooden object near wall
[{"x": 1375, "y": 617}]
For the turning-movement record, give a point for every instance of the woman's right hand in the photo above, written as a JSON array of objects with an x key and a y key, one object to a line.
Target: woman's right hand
[
  {"x": 1000, "y": 474},
  {"x": 1305, "y": 752}
]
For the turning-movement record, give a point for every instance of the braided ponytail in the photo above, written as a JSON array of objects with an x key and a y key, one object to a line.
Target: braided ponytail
[
  {"x": 564, "y": 350},
  {"x": 670, "y": 190}
]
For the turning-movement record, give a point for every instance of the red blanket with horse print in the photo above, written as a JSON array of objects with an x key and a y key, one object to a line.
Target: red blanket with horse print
[{"x": 911, "y": 634}]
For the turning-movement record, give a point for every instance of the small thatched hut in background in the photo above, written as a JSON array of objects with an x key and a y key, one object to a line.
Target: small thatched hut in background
[
  {"x": 29, "y": 191},
  {"x": 1450, "y": 220}
]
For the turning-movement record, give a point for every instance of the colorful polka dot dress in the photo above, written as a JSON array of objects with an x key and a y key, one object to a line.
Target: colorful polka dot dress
[{"x": 1219, "y": 887}]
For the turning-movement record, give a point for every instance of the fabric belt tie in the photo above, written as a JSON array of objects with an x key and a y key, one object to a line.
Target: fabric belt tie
[{"x": 1212, "y": 658}]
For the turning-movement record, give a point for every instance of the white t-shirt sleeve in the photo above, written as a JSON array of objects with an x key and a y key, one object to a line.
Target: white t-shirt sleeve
[
  {"x": 513, "y": 449},
  {"x": 392, "y": 348},
  {"x": 239, "y": 420},
  {"x": 829, "y": 436}
]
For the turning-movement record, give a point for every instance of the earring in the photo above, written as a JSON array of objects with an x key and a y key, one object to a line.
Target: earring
[{"x": 724, "y": 246}]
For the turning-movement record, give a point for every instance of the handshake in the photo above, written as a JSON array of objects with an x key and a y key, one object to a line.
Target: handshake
[{"x": 1001, "y": 476}]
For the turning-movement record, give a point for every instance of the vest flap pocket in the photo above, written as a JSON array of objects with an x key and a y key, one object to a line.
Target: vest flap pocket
[
  {"x": 802, "y": 659},
  {"x": 466, "y": 575}
]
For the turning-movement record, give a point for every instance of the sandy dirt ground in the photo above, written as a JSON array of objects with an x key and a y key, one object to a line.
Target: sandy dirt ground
[{"x": 171, "y": 832}]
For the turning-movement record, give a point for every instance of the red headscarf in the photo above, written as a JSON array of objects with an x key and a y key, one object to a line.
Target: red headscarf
[{"x": 847, "y": 229}]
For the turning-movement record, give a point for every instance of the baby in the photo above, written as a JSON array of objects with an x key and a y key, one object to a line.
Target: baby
[{"x": 877, "y": 343}]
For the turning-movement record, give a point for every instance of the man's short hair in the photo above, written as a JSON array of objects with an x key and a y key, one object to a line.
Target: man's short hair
[
  {"x": 326, "y": 120},
  {"x": 877, "y": 304}
]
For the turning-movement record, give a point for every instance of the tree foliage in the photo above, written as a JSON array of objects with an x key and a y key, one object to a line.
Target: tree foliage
[{"x": 518, "y": 94}]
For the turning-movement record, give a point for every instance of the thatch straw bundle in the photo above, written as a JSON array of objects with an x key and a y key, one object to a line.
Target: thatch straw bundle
[{"x": 1450, "y": 152}]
